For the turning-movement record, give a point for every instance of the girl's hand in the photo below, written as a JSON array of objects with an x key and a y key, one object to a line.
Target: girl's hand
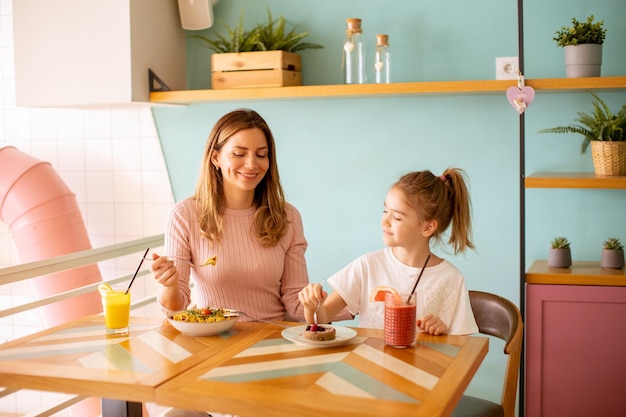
[
  {"x": 432, "y": 324},
  {"x": 164, "y": 271},
  {"x": 310, "y": 297}
]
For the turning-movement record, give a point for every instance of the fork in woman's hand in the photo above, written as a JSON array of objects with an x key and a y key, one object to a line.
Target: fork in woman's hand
[{"x": 212, "y": 261}]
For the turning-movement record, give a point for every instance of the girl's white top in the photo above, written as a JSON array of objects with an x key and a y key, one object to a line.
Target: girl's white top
[{"x": 441, "y": 290}]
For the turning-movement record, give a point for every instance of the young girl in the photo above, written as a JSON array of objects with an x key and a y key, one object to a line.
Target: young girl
[{"x": 419, "y": 207}]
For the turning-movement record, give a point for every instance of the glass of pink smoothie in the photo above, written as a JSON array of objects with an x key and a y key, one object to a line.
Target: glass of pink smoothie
[{"x": 399, "y": 327}]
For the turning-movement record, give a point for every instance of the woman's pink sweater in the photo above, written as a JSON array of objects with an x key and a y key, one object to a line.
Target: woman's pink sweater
[{"x": 262, "y": 282}]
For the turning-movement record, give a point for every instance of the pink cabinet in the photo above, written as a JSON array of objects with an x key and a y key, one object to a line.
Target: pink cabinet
[{"x": 575, "y": 351}]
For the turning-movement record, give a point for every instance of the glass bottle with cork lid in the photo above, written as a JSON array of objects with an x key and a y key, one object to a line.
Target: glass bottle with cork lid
[
  {"x": 382, "y": 60},
  {"x": 354, "y": 53}
]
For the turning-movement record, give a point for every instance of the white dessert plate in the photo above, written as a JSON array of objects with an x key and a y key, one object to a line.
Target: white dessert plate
[{"x": 295, "y": 334}]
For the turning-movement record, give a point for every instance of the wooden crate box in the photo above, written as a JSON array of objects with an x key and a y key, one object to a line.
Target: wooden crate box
[{"x": 256, "y": 69}]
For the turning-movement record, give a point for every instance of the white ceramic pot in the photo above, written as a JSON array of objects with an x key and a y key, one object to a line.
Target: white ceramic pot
[{"x": 583, "y": 60}]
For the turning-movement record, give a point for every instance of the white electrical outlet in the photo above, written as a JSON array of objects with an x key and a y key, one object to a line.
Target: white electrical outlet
[{"x": 507, "y": 68}]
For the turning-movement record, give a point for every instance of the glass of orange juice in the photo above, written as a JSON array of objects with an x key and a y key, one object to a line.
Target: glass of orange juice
[
  {"x": 400, "y": 328},
  {"x": 116, "y": 306}
]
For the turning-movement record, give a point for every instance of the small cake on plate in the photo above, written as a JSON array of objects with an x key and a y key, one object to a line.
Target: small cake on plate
[{"x": 319, "y": 333}]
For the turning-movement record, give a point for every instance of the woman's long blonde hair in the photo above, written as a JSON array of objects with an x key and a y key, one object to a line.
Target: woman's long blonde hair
[
  {"x": 443, "y": 198},
  {"x": 270, "y": 218}
]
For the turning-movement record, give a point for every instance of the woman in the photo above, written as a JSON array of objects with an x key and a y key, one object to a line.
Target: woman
[{"x": 238, "y": 214}]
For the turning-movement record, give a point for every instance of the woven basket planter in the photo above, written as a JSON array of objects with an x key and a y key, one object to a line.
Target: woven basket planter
[{"x": 609, "y": 158}]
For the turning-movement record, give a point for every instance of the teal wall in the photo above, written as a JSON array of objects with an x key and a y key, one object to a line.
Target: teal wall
[{"x": 338, "y": 156}]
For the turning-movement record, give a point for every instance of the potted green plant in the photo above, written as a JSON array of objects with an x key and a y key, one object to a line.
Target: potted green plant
[
  {"x": 236, "y": 39},
  {"x": 265, "y": 56},
  {"x": 582, "y": 42},
  {"x": 606, "y": 132},
  {"x": 612, "y": 254},
  {"x": 560, "y": 254}
]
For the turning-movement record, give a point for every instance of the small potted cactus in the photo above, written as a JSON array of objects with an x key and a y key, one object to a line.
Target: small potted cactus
[
  {"x": 560, "y": 255},
  {"x": 612, "y": 254}
]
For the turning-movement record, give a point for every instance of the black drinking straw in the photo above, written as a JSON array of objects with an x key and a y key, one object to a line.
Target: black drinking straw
[
  {"x": 408, "y": 300},
  {"x": 137, "y": 271}
]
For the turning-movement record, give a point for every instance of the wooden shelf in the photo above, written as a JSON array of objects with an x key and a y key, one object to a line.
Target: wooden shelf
[
  {"x": 393, "y": 89},
  {"x": 572, "y": 84},
  {"x": 341, "y": 90},
  {"x": 580, "y": 273},
  {"x": 574, "y": 180}
]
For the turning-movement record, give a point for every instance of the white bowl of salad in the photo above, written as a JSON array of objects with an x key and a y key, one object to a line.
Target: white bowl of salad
[{"x": 207, "y": 321}]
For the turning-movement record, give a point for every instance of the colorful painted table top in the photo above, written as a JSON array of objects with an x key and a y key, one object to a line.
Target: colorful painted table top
[
  {"x": 268, "y": 375},
  {"x": 250, "y": 370},
  {"x": 80, "y": 358}
]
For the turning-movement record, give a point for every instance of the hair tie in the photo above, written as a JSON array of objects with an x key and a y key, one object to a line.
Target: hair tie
[{"x": 443, "y": 178}]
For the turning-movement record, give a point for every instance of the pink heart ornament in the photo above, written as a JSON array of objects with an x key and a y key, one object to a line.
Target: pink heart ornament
[{"x": 520, "y": 98}]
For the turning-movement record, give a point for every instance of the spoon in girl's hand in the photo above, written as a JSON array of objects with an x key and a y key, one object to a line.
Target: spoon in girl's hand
[
  {"x": 212, "y": 261},
  {"x": 319, "y": 303}
]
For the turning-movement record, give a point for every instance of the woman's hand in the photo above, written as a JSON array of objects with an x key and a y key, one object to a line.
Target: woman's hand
[
  {"x": 164, "y": 271},
  {"x": 432, "y": 324}
]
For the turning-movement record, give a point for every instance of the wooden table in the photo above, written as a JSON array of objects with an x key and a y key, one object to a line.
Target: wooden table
[
  {"x": 266, "y": 375},
  {"x": 249, "y": 371},
  {"x": 80, "y": 358}
]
